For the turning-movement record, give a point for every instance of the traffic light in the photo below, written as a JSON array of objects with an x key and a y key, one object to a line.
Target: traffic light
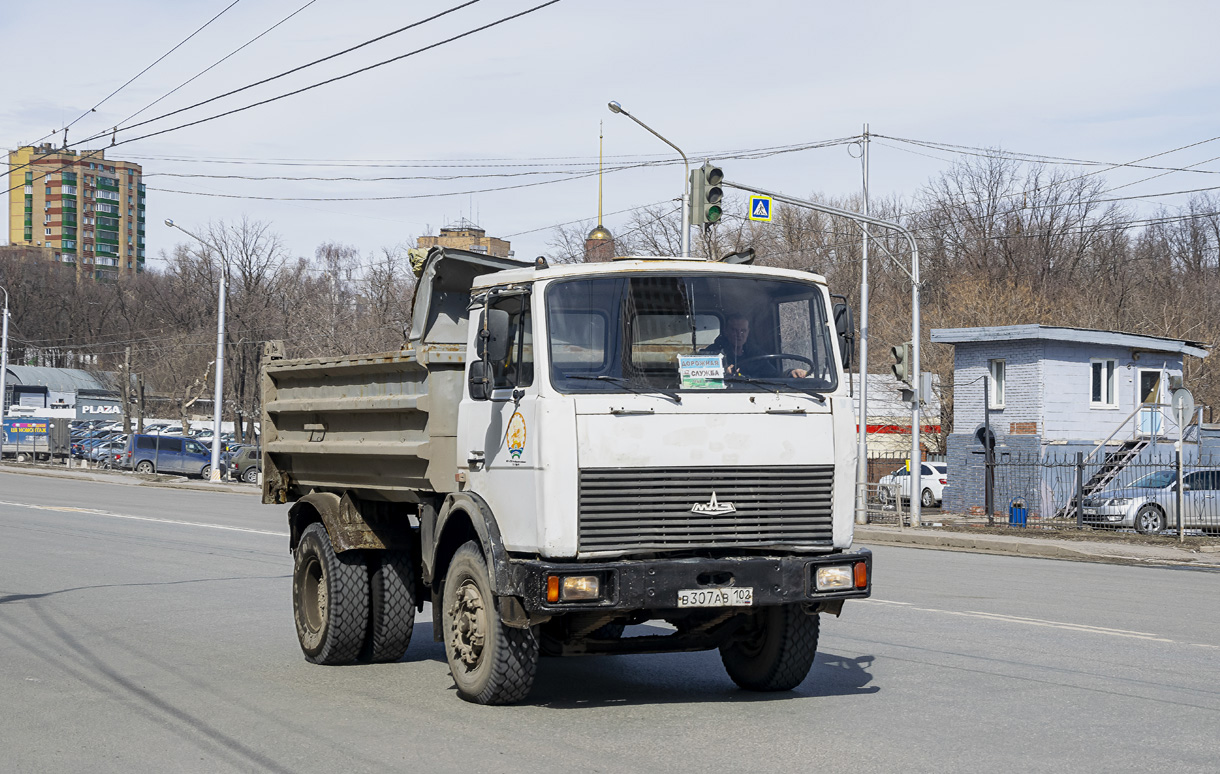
[
  {"x": 705, "y": 194},
  {"x": 901, "y": 366}
]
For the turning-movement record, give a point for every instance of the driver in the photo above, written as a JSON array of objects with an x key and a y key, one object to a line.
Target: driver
[{"x": 741, "y": 356}]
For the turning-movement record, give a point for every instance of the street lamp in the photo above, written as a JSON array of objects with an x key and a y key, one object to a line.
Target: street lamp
[
  {"x": 617, "y": 108},
  {"x": 220, "y": 349},
  {"x": 4, "y": 355}
]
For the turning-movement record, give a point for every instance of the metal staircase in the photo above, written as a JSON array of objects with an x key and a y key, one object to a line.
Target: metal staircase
[{"x": 1113, "y": 464}]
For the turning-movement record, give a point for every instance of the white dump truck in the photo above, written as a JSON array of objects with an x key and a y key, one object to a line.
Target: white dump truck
[{"x": 563, "y": 453}]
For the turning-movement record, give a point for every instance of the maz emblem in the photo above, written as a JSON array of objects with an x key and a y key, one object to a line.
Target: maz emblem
[{"x": 713, "y": 507}]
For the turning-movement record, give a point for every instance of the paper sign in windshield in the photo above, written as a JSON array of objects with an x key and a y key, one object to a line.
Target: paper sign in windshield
[{"x": 701, "y": 372}]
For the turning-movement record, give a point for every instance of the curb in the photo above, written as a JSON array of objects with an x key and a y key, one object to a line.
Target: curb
[
  {"x": 1030, "y": 547},
  {"x": 125, "y": 479}
]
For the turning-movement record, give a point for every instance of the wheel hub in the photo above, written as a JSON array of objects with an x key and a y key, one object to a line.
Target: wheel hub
[
  {"x": 315, "y": 596},
  {"x": 467, "y": 625}
]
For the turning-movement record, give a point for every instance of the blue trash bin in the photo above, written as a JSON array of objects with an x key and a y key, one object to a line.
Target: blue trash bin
[{"x": 1018, "y": 512}]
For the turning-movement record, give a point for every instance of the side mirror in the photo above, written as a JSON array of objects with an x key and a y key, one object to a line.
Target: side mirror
[
  {"x": 480, "y": 383},
  {"x": 492, "y": 337},
  {"x": 845, "y": 327}
]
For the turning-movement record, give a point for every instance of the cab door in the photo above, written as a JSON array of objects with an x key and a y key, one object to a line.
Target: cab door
[{"x": 497, "y": 438}]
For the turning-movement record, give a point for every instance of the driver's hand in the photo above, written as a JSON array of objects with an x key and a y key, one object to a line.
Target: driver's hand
[
  {"x": 798, "y": 373},
  {"x": 731, "y": 370}
]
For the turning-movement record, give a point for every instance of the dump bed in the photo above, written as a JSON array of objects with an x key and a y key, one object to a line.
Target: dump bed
[{"x": 383, "y": 426}]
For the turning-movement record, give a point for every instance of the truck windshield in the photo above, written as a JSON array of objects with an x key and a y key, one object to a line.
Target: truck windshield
[{"x": 689, "y": 332}]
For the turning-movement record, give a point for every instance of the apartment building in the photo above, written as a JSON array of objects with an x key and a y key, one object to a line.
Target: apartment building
[{"x": 81, "y": 208}]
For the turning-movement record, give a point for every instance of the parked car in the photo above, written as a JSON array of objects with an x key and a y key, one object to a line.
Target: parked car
[
  {"x": 168, "y": 454},
  {"x": 1150, "y": 504},
  {"x": 105, "y": 451},
  {"x": 245, "y": 463},
  {"x": 934, "y": 476}
]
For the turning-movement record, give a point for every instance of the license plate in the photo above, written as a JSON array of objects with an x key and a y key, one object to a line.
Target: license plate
[
  {"x": 726, "y": 596},
  {"x": 1090, "y": 511}
]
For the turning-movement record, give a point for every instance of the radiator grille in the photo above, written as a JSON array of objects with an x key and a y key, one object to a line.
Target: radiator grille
[{"x": 650, "y": 508}]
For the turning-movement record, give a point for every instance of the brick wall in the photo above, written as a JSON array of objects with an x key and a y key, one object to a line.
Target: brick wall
[
  {"x": 1023, "y": 388},
  {"x": 968, "y": 475}
]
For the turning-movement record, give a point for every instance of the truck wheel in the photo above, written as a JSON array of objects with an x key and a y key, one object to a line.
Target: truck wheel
[
  {"x": 491, "y": 663},
  {"x": 775, "y": 651},
  {"x": 330, "y": 599},
  {"x": 391, "y": 607}
]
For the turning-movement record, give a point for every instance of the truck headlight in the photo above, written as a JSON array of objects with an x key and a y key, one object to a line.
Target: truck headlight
[
  {"x": 573, "y": 588},
  {"x": 834, "y": 578}
]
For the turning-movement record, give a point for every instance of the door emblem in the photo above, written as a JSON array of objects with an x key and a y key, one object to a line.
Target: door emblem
[
  {"x": 713, "y": 507},
  {"x": 515, "y": 436}
]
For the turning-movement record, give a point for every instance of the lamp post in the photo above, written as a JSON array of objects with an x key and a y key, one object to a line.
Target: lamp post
[
  {"x": 617, "y": 108},
  {"x": 220, "y": 349},
  {"x": 4, "y": 356}
]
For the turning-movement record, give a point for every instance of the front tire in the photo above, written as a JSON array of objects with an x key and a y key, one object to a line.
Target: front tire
[
  {"x": 206, "y": 473},
  {"x": 330, "y": 599},
  {"x": 391, "y": 606},
  {"x": 1150, "y": 520},
  {"x": 491, "y": 663},
  {"x": 776, "y": 650}
]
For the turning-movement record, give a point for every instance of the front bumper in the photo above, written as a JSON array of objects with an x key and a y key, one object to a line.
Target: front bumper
[
  {"x": 653, "y": 584},
  {"x": 1108, "y": 515}
]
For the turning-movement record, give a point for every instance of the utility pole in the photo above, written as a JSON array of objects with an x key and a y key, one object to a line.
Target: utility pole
[
  {"x": 220, "y": 350},
  {"x": 862, "y": 452},
  {"x": 863, "y": 221},
  {"x": 126, "y": 391},
  {"x": 4, "y": 356},
  {"x": 617, "y": 108},
  {"x": 140, "y": 403}
]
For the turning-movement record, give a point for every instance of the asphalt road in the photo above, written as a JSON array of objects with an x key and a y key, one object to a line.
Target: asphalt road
[{"x": 150, "y": 630}]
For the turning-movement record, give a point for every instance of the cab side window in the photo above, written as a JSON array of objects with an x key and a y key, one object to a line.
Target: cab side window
[{"x": 517, "y": 369}]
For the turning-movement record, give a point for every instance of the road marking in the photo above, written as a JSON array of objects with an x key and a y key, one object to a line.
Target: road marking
[
  {"x": 1041, "y": 622},
  {"x": 113, "y": 515}
]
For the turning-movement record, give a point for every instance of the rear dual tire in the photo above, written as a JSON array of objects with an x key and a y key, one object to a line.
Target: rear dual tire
[{"x": 346, "y": 610}]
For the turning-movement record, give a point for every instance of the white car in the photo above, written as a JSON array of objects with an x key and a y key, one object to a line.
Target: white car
[{"x": 933, "y": 478}]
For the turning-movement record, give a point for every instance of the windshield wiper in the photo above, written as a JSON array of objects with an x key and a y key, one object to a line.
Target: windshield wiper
[
  {"x": 819, "y": 397},
  {"x": 627, "y": 385}
]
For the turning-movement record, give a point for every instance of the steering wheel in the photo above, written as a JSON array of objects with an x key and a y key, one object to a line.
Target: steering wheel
[{"x": 777, "y": 356}]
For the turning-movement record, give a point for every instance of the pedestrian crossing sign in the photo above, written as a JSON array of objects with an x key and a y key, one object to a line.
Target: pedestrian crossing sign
[{"x": 760, "y": 208}]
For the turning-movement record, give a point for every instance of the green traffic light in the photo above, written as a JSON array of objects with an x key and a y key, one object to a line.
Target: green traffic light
[{"x": 713, "y": 214}]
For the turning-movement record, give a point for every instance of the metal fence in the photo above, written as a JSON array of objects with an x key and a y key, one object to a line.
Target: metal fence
[{"x": 1114, "y": 493}]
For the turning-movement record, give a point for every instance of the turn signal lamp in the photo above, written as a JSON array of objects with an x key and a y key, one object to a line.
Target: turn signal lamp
[
  {"x": 860, "y": 571},
  {"x": 552, "y": 588}
]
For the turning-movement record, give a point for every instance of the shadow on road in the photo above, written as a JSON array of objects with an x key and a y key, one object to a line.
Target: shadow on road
[{"x": 665, "y": 678}]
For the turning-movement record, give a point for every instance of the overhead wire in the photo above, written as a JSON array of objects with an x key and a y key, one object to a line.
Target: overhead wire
[
  {"x": 328, "y": 81},
  {"x": 137, "y": 75},
  {"x": 216, "y": 63}
]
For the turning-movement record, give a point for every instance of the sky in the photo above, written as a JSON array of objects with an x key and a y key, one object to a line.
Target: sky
[{"x": 1102, "y": 81}]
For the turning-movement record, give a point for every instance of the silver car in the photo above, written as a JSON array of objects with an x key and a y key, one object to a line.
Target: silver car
[{"x": 1150, "y": 504}]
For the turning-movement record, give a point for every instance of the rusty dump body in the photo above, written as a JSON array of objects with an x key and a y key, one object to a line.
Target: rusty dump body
[{"x": 377, "y": 426}]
